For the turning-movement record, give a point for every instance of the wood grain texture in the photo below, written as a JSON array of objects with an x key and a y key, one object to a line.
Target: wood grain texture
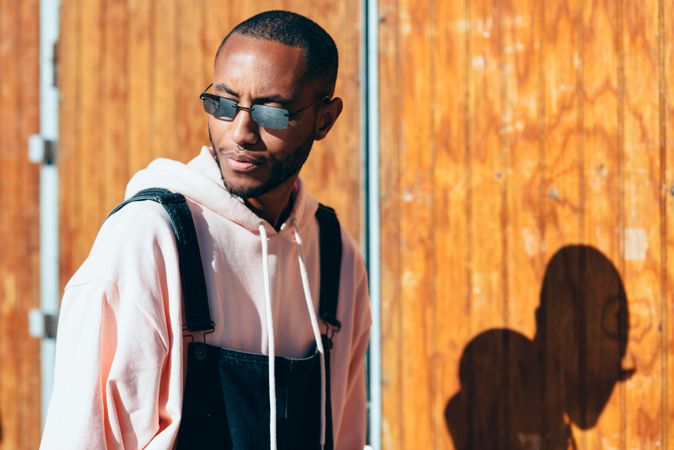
[
  {"x": 19, "y": 200},
  {"x": 602, "y": 189},
  {"x": 390, "y": 168},
  {"x": 523, "y": 157},
  {"x": 642, "y": 216},
  {"x": 417, "y": 232},
  {"x": 553, "y": 223},
  {"x": 666, "y": 121},
  {"x": 130, "y": 95},
  {"x": 488, "y": 214},
  {"x": 451, "y": 189}
]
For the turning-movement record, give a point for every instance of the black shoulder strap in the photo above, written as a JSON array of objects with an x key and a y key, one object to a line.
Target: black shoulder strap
[
  {"x": 195, "y": 298},
  {"x": 330, "y": 241}
]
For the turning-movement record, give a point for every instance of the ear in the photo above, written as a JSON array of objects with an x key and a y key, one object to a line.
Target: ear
[{"x": 327, "y": 117}]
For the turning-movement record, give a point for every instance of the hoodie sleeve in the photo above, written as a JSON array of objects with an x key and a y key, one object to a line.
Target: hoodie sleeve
[{"x": 116, "y": 384}]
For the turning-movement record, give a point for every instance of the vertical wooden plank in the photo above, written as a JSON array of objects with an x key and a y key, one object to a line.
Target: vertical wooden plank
[
  {"x": 450, "y": 184},
  {"x": 28, "y": 349},
  {"x": 416, "y": 229},
  {"x": 522, "y": 133},
  {"x": 191, "y": 58},
  {"x": 163, "y": 109},
  {"x": 69, "y": 142},
  {"x": 486, "y": 213},
  {"x": 139, "y": 65},
  {"x": 666, "y": 120},
  {"x": 19, "y": 197},
  {"x": 562, "y": 190},
  {"x": 562, "y": 164},
  {"x": 601, "y": 181},
  {"x": 9, "y": 421},
  {"x": 523, "y": 230},
  {"x": 642, "y": 246},
  {"x": 450, "y": 203},
  {"x": 113, "y": 108},
  {"x": 390, "y": 167},
  {"x": 217, "y": 23},
  {"x": 89, "y": 194},
  {"x": 333, "y": 171},
  {"x": 602, "y": 197}
]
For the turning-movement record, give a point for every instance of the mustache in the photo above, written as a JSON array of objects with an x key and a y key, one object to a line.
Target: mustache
[
  {"x": 237, "y": 153},
  {"x": 249, "y": 157}
]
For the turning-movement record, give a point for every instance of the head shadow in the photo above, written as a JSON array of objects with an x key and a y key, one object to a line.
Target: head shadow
[{"x": 517, "y": 393}]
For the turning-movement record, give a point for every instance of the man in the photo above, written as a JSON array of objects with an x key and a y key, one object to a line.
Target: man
[{"x": 121, "y": 363}]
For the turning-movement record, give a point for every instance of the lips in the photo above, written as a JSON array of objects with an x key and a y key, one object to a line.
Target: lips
[{"x": 242, "y": 163}]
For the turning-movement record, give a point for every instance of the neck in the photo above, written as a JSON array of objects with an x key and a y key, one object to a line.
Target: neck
[{"x": 274, "y": 206}]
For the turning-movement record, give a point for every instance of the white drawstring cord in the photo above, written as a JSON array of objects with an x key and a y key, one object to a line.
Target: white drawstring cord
[
  {"x": 270, "y": 339},
  {"x": 314, "y": 325}
]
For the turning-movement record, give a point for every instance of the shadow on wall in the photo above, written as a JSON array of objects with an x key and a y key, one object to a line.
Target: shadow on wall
[{"x": 522, "y": 394}]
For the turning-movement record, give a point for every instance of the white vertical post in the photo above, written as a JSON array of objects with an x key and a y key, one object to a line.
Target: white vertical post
[
  {"x": 371, "y": 133},
  {"x": 49, "y": 197}
]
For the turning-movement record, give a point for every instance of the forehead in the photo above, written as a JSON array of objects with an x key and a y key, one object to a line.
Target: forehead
[{"x": 258, "y": 67}]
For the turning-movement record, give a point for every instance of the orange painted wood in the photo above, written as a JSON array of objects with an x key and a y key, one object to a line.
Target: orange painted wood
[
  {"x": 666, "y": 150},
  {"x": 148, "y": 93},
  {"x": 19, "y": 199},
  {"x": 568, "y": 137},
  {"x": 522, "y": 129},
  {"x": 562, "y": 158},
  {"x": 524, "y": 258},
  {"x": 562, "y": 192},
  {"x": 114, "y": 90},
  {"x": 451, "y": 188},
  {"x": 162, "y": 111},
  {"x": 393, "y": 411},
  {"x": 488, "y": 172},
  {"x": 602, "y": 201},
  {"x": 417, "y": 233},
  {"x": 69, "y": 66},
  {"x": 333, "y": 172},
  {"x": 642, "y": 217}
]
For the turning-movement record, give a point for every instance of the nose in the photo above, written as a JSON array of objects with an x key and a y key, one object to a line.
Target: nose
[{"x": 243, "y": 129}]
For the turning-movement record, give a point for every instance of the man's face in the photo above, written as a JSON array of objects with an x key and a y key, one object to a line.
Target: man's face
[{"x": 255, "y": 160}]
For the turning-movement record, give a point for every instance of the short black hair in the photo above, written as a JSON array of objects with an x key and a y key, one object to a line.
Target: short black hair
[{"x": 295, "y": 30}]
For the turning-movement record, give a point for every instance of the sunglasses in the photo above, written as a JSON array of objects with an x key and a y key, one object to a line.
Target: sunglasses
[{"x": 272, "y": 117}]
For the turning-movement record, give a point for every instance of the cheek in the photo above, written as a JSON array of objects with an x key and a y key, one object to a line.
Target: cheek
[{"x": 217, "y": 129}]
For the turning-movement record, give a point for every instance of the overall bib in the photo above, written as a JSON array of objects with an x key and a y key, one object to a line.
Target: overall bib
[{"x": 226, "y": 399}]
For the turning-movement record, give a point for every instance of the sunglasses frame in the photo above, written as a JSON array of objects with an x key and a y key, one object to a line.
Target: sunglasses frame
[{"x": 285, "y": 114}]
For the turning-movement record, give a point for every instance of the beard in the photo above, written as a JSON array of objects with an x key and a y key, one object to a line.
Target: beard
[{"x": 281, "y": 170}]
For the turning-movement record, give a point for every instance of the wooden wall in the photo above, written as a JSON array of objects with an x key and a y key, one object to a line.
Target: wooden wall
[
  {"x": 131, "y": 72},
  {"x": 19, "y": 247},
  {"x": 514, "y": 131},
  {"x": 522, "y": 141}
]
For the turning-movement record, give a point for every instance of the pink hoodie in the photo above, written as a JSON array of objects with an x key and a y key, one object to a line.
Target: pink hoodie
[{"x": 120, "y": 363}]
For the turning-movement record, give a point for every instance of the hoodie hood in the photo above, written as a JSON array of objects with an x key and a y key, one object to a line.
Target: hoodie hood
[{"x": 200, "y": 181}]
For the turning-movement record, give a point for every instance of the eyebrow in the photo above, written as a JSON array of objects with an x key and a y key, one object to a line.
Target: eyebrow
[{"x": 259, "y": 100}]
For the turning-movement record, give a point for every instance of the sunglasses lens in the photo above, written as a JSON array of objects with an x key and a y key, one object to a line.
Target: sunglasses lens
[
  {"x": 270, "y": 117},
  {"x": 226, "y": 109},
  {"x": 219, "y": 107},
  {"x": 210, "y": 104}
]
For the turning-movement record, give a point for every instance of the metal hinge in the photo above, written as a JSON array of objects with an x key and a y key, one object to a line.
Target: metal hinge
[
  {"x": 41, "y": 150},
  {"x": 42, "y": 324}
]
